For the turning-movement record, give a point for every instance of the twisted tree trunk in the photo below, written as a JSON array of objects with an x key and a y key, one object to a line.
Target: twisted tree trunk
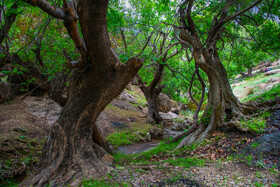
[
  {"x": 151, "y": 93},
  {"x": 222, "y": 104},
  {"x": 74, "y": 145}
]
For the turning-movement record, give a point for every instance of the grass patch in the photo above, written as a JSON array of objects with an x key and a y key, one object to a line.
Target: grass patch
[
  {"x": 135, "y": 133},
  {"x": 120, "y": 113},
  {"x": 103, "y": 183},
  {"x": 253, "y": 82},
  {"x": 185, "y": 162},
  {"x": 163, "y": 149},
  {"x": 140, "y": 98},
  {"x": 269, "y": 95},
  {"x": 247, "y": 159},
  {"x": 256, "y": 124},
  {"x": 19, "y": 155}
]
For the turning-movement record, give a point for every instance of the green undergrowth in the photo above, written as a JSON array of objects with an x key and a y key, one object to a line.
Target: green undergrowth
[
  {"x": 18, "y": 156},
  {"x": 103, "y": 183},
  {"x": 140, "y": 98},
  {"x": 121, "y": 113},
  {"x": 133, "y": 134},
  {"x": 252, "y": 83},
  {"x": 165, "y": 154},
  {"x": 257, "y": 124},
  {"x": 268, "y": 95}
]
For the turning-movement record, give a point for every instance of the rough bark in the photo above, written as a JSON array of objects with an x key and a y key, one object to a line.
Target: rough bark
[
  {"x": 74, "y": 145},
  {"x": 153, "y": 112},
  {"x": 11, "y": 18},
  {"x": 222, "y": 104},
  {"x": 151, "y": 93}
]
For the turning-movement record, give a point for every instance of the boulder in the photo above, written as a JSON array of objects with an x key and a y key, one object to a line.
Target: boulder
[
  {"x": 168, "y": 133},
  {"x": 107, "y": 159},
  {"x": 168, "y": 116},
  {"x": 125, "y": 96},
  {"x": 156, "y": 133},
  {"x": 124, "y": 105},
  {"x": 164, "y": 103},
  {"x": 175, "y": 110},
  {"x": 104, "y": 125},
  {"x": 181, "y": 125},
  {"x": 174, "y": 104},
  {"x": 272, "y": 72}
]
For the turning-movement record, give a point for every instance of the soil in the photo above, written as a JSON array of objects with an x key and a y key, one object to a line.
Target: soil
[{"x": 26, "y": 121}]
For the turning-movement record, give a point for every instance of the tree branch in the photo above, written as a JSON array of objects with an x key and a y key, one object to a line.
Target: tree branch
[
  {"x": 48, "y": 8},
  {"x": 8, "y": 22}
]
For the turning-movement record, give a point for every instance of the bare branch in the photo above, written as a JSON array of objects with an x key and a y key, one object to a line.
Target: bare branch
[
  {"x": 229, "y": 18},
  {"x": 8, "y": 22},
  {"x": 148, "y": 40},
  {"x": 48, "y": 8}
]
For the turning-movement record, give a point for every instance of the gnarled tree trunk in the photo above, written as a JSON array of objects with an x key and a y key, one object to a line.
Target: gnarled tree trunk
[
  {"x": 222, "y": 104},
  {"x": 74, "y": 146},
  {"x": 153, "y": 115},
  {"x": 151, "y": 93}
]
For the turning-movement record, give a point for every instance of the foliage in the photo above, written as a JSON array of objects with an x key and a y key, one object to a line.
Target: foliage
[
  {"x": 144, "y": 158},
  {"x": 257, "y": 124},
  {"x": 127, "y": 137}
]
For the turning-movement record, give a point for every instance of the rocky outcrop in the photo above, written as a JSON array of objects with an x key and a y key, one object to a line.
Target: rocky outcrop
[
  {"x": 168, "y": 116},
  {"x": 124, "y": 105},
  {"x": 272, "y": 72},
  {"x": 164, "y": 103},
  {"x": 181, "y": 125},
  {"x": 125, "y": 96},
  {"x": 168, "y": 133}
]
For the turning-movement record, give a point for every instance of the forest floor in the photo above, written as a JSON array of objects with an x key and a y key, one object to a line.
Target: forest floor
[{"x": 225, "y": 159}]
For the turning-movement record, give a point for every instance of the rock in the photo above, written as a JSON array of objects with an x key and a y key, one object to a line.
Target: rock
[
  {"x": 127, "y": 97},
  {"x": 156, "y": 133},
  {"x": 107, "y": 159},
  {"x": 118, "y": 124},
  {"x": 44, "y": 109},
  {"x": 168, "y": 133},
  {"x": 124, "y": 105},
  {"x": 175, "y": 110},
  {"x": 128, "y": 87},
  {"x": 174, "y": 104},
  {"x": 132, "y": 119},
  {"x": 135, "y": 81},
  {"x": 272, "y": 72},
  {"x": 145, "y": 110},
  {"x": 104, "y": 124},
  {"x": 184, "y": 107},
  {"x": 164, "y": 103},
  {"x": 180, "y": 126},
  {"x": 168, "y": 116},
  {"x": 274, "y": 79}
]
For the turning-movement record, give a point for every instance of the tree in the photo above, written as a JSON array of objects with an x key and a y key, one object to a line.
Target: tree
[
  {"x": 152, "y": 91},
  {"x": 75, "y": 145},
  {"x": 222, "y": 104}
]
